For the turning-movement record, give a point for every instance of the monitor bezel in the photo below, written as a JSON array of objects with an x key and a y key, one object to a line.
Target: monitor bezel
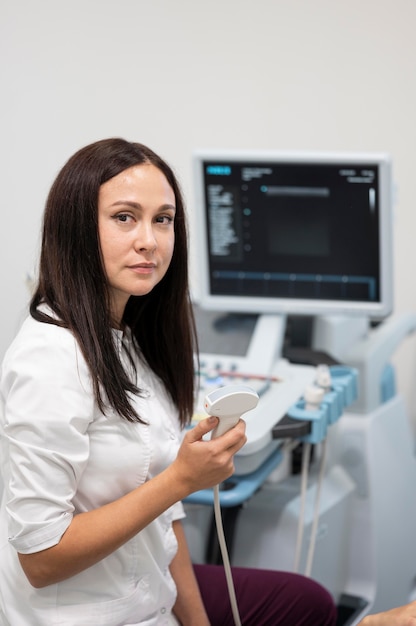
[{"x": 292, "y": 306}]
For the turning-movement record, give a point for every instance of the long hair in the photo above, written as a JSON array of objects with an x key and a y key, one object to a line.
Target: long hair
[{"x": 72, "y": 282}]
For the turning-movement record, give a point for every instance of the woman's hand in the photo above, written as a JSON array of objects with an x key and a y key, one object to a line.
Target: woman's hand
[
  {"x": 201, "y": 464},
  {"x": 401, "y": 616}
]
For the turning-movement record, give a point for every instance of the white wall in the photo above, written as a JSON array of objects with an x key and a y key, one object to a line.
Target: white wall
[{"x": 182, "y": 74}]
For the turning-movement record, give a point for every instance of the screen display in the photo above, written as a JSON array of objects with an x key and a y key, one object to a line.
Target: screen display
[{"x": 304, "y": 230}]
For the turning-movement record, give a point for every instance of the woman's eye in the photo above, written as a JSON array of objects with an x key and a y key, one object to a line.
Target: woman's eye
[
  {"x": 164, "y": 219},
  {"x": 122, "y": 217}
]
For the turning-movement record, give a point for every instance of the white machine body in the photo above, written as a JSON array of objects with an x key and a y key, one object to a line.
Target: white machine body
[{"x": 370, "y": 476}]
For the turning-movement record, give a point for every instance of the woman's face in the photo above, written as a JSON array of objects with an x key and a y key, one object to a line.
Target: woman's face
[{"x": 136, "y": 211}]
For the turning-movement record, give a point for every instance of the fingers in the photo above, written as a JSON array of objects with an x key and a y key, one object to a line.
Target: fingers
[
  {"x": 202, "y": 428},
  {"x": 234, "y": 438}
]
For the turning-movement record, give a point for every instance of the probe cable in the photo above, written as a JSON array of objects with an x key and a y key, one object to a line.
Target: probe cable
[
  {"x": 301, "y": 522},
  {"x": 306, "y": 454},
  {"x": 224, "y": 554},
  {"x": 312, "y": 541}
]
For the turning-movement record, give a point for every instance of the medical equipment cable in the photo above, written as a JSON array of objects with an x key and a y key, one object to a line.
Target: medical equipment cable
[
  {"x": 306, "y": 453},
  {"x": 228, "y": 404},
  {"x": 225, "y": 557},
  {"x": 323, "y": 382},
  {"x": 312, "y": 541}
]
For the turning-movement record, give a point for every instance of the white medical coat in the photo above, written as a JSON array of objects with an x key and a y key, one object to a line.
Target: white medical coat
[{"x": 61, "y": 456}]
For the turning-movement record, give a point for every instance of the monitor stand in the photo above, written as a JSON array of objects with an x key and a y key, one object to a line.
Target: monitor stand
[
  {"x": 266, "y": 344},
  {"x": 249, "y": 344}
]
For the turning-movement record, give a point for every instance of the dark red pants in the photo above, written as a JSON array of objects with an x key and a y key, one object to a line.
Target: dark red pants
[{"x": 265, "y": 598}]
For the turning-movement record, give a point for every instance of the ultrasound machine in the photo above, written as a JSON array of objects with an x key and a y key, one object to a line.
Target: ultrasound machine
[{"x": 295, "y": 299}]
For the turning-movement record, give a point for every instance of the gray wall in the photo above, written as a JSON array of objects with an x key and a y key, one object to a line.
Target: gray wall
[{"x": 279, "y": 74}]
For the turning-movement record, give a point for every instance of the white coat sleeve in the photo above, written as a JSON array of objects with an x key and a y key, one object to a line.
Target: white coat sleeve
[{"x": 47, "y": 404}]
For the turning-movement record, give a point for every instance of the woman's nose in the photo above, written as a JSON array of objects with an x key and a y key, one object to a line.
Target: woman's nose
[{"x": 145, "y": 237}]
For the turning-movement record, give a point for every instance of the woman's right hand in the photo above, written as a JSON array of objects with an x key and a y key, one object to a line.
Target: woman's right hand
[{"x": 201, "y": 463}]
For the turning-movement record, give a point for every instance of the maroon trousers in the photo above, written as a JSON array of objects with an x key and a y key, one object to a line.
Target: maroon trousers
[{"x": 265, "y": 598}]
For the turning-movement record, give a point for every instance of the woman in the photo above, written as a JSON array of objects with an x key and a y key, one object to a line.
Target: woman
[{"x": 95, "y": 390}]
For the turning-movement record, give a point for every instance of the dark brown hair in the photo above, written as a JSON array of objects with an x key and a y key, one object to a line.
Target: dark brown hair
[{"x": 73, "y": 284}]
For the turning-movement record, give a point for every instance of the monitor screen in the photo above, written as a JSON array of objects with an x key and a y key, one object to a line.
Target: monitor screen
[{"x": 292, "y": 233}]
